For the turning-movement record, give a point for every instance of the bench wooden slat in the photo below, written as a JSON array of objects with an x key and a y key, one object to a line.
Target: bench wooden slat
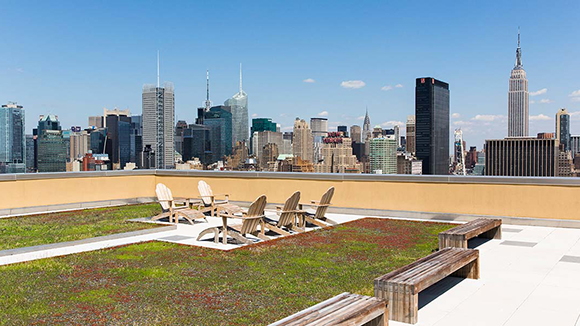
[
  {"x": 402, "y": 286},
  {"x": 459, "y": 235},
  {"x": 344, "y": 309}
]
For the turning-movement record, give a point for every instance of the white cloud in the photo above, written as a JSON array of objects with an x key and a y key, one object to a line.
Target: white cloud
[
  {"x": 309, "y": 80},
  {"x": 488, "y": 117},
  {"x": 399, "y": 86},
  {"x": 455, "y": 115},
  {"x": 392, "y": 123},
  {"x": 323, "y": 114},
  {"x": 575, "y": 93},
  {"x": 254, "y": 115},
  {"x": 290, "y": 128},
  {"x": 462, "y": 123},
  {"x": 539, "y": 117},
  {"x": 576, "y": 99},
  {"x": 362, "y": 117},
  {"x": 545, "y": 101},
  {"x": 540, "y": 92},
  {"x": 532, "y": 102},
  {"x": 387, "y": 88},
  {"x": 354, "y": 84}
]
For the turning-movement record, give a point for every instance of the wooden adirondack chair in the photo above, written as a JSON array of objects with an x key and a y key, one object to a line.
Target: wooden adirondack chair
[
  {"x": 172, "y": 210},
  {"x": 210, "y": 204},
  {"x": 250, "y": 221},
  {"x": 321, "y": 207},
  {"x": 287, "y": 216}
]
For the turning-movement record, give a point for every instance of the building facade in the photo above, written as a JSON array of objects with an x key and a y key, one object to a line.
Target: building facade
[
  {"x": 408, "y": 164},
  {"x": 12, "y": 139},
  {"x": 302, "y": 141},
  {"x": 410, "y": 134},
  {"x": 383, "y": 155},
  {"x": 158, "y": 123},
  {"x": 518, "y": 99},
  {"x": 522, "y": 157},
  {"x": 337, "y": 156},
  {"x": 432, "y": 125},
  {"x": 355, "y": 133}
]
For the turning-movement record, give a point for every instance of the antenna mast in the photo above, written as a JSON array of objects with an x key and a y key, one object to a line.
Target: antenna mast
[{"x": 157, "y": 68}]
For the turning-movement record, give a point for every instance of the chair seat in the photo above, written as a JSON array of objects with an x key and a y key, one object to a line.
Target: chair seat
[
  {"x": 191, "y": 213},
  {"x": 230, "y": 209}
]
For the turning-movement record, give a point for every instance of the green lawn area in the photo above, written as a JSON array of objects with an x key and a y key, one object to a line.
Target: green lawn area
[
  {"x": 158, "y": 283},
  {"x": 41, "y": 229}
]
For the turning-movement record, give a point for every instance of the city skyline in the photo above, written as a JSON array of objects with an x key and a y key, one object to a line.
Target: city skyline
[{"x": 336, "y": 79}]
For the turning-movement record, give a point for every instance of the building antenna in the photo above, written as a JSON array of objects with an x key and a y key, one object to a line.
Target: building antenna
[
  {"x": 207, "y": 101},
  {"x": 240, "y": 77},
  {"x": 518, "y": 36},
  {"x": 157, "y": 68}
]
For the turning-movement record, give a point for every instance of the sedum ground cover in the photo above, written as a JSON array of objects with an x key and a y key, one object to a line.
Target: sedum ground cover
[
  {"x": 35, "y": 230},
  {"x": 158, "y": 283}
]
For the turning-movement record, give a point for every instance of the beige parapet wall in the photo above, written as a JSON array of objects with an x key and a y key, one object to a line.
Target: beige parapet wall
[{"x": 546, "y": 198}]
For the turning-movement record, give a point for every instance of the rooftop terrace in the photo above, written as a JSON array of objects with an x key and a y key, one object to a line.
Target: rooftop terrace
[{"x": 529, "y": 277}]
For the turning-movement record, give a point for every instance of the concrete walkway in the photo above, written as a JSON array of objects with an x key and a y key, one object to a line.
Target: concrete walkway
[{"x": 530, "y": 277}]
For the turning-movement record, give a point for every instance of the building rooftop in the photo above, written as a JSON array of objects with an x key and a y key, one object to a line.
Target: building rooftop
[{"x": 529, "y": 277}]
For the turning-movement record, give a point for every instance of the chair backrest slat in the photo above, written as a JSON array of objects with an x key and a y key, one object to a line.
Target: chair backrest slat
[
  {"x": 287, "y": 216},
  {"x": 205, "y": 192},
  {"x": 250, "y": 225},
  {"x": 163, "y": 195},
  {"x": 324, "y": 202}
]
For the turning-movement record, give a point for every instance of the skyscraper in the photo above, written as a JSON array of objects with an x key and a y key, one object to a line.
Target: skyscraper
[
  {"x": 518, "y": 99},
  {"x": 12, "y": 139},
  {"x": 563, "y": 128},
  {"x": 302, "y": 143},
  {"x": 159, "y": 121},
  {"x": 383, "y": 155},
  {"x": 397, "y": 133},
  {"x": 219, "y": 119},
  {"x": 239, "y": 105},
  {"x": 410, "y": 134},
  {"x": 52, "y": 147},
  {"x": 432, "y": 125},
  {"x": 366, "y": 134},
  {"x": 118, "y": 145},
  {"x": 355, "y": 133},
  {"x": 319, "y": 127}
]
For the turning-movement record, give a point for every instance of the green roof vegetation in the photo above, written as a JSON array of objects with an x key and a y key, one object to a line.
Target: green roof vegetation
[
  {"x": 33, "y": 230},
  {"x": 169, "y": 284}
]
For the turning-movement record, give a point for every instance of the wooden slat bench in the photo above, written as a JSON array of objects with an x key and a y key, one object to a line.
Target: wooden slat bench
[
  {"x": 401, "y": 287},
  {"x": 343, "y": 309},
  {"x": 458, "y": 236}
]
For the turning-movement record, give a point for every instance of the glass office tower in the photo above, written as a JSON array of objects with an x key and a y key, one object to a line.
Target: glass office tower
[
  {"x": 432, "y": 125},
  {"x": 12, "y": 139}
]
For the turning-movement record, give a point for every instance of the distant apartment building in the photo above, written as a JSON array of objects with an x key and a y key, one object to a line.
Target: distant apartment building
[
  {"x": 12, "y": 139},
  {"x": 432, "y": 125},
  {"x": 522, "y": 157},
  {"x": 575, "y": 144},
  {"x": 96, "y": 122},
  {"x": 158, "y": 123},
  {"x": 383, "y": 155},
  {"x": 565, "y": 164},
  {"x": 80, "y": 142},
  {"x": 302, "y": 142},
  {"x": 261, "y": 139},
  {"x": 269, "y": 156},
  {"x": 337, "y": 156},
  {"x": 408, "y": 164}
]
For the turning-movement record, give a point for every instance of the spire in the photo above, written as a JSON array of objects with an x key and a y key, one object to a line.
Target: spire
[
  {"x": 207, "y": 101},
  {"x": 157, "y": 68},
  {"x": 240, "y": 77},
  {"x": 519, "y": 52}
]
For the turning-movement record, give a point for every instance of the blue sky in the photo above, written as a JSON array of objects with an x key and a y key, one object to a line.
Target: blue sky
[{"x": 72, "y": 58}]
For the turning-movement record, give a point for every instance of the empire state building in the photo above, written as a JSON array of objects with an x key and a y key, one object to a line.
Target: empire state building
[{"x": 518, "y": 99}]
